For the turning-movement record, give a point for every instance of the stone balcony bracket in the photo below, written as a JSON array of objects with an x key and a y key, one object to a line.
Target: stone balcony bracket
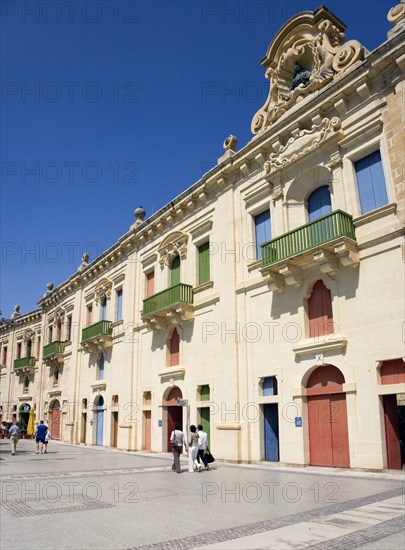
[
  {"x": 177, "y": 315},
  {"x": 98, "y": 344}
]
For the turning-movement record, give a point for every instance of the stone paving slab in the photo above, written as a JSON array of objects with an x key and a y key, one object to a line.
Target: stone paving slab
[{"x": 105, "y": 499}]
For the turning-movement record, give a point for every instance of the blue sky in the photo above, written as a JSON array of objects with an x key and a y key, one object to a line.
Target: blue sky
[{"x": 108, "y": 105}]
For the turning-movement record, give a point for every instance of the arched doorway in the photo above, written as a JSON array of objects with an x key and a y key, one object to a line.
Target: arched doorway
[
  {"x": 174, "y": 413},
  {"x": 54, "y": 420},
  {"x": 327, "y": 413},
  {"x": 99, "y": 420},
  {"x": 24, "y": 415}
]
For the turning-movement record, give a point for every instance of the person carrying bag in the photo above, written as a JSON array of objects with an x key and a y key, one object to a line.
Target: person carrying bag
[{"x": 177, "y": 441}]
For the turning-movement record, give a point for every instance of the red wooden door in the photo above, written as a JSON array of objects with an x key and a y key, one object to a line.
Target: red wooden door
[
  {"x": 340, "y": 435},
  {"x": 328, "y": 434},
  {"x": 147, "y": 429},
  {"x": 392, "y": 432},
  {"x": 320, "y": 433},
  {"x": 55, "y": 428}
]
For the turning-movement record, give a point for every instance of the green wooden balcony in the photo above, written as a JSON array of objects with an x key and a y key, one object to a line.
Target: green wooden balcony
[
  {"x": 24, "y": 363},
  {"x": 307, "y": 237},
  {"x": 97, "y": 335},
  {"x": 53, "y": 351},
  {"x": 174, "y": 303}
]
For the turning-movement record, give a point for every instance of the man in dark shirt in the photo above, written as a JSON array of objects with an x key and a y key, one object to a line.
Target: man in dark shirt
[{"x": 40, "y": 434}]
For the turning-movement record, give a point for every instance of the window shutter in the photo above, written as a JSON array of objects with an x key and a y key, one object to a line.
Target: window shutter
[
  {"x": 371, "y": 182},
  {"x": 203, "y": 263}
]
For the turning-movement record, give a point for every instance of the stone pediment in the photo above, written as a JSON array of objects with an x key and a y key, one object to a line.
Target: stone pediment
[
  {"x": 305, "y": 55},
  {"x": 103, "y": 290}
]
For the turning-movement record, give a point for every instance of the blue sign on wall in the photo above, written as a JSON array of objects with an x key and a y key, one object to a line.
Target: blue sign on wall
[
  {"x": 298, "y": 421},
  {"x": 160, "y": 423}
]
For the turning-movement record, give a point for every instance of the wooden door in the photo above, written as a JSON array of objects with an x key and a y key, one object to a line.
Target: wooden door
[
  {"x": 391, "y": 420},
  {"x": 115, "y": 428},
  {"x": 271, "y": 440},
  {"x": 55, "y": 424},
  {"x": 328, "y": 433},
  {"x": 147, "y": 430}
]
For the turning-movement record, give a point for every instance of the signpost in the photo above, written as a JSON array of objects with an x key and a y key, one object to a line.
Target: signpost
[{"x": 184, "y": 403}]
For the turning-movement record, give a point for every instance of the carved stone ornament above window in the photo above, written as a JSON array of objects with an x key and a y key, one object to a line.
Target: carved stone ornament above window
[
  {"x": 103, "y": 290},
  {"x": 301, "y": 143},
  {"x": 29, "y": 335},
  {"x": 305, "y": 55},
  {"x": 173, "y": 245}
]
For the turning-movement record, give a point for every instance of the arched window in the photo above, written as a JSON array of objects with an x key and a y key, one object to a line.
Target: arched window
[
  {"x": 320, "y": 311},
  {"x": 319, "y": 203},
  {"x": 175, "y": 271},
  {"x": 174, "y": 349}
]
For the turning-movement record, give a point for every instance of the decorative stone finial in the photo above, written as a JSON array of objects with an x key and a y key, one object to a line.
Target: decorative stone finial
[
  {"x": 229, "y": 145},
  {"x": 396, "y": 16},
  {"x": 16, "y": 313},
  {"x": 139, "y": 214},
  {"x": 85, "y": 261}
]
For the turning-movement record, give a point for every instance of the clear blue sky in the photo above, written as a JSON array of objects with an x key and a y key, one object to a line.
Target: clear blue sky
[{"x": 110, "y": 105}]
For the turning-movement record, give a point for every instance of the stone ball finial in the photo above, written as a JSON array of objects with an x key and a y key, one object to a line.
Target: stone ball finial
[
  {"x": 16, "y": 313},
  {"x": 85, "y": 257},
  {"x": 49, "y": 286},
  {"x": 139, "y": 213},
  {"x": 230, "y": 143},
  {"x": 17, "y": 308}
]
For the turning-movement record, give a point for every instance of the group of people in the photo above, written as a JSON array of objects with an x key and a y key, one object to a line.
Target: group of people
[
  {"x": 196, "y": 445},
  {"x": 41, "y": 435}
]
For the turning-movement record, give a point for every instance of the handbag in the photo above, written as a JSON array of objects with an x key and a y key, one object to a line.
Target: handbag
[{"x": 208, "y": 456}]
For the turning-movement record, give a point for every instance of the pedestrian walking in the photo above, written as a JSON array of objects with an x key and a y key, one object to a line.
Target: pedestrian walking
[
  {"x": 14, "y": 432},
  {"x": 177, "y": 441},
  {"x": 40, "y": 434},
  {"x": 47, "y": 436},
  {"x": 203, "y": 436},
  {"x": 193, "y": 443}
]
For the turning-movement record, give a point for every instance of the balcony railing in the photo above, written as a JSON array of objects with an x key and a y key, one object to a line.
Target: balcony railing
[
  {"x": 165, "y": 299},
  {"x": 328, "y": 228},
  {"x": 54, "y": 348},
  {"x": 96, "y": 330},
  {"x": 24, "y": 362}
]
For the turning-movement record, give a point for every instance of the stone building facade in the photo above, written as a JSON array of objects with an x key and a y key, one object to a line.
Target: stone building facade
[{"x": 265, "y": 301}]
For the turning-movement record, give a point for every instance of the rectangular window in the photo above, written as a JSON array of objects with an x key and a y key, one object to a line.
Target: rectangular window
[
  {"x": 50, "y": 330},
  {"x": 4, "y": 359},
  {"x": 104, "y": 309},
  {"x": 371, "y": 182},
  {"x": 119, "y": 305},
  {"x": 89, "y": 314},
  {"x": 270, "y": 386},
  {"x": 19, "y": 350},
  {"x": 204, "y": 263},
  {"x": 150, "y": 284},
  {"x": 262, "y": 231},
  {"x": 69, "y": 328}
]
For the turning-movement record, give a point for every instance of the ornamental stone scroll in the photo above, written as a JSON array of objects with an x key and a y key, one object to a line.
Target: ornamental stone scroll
[{"x": 305, "y": 55}]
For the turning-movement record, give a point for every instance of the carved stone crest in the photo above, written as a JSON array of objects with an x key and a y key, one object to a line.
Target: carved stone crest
[
  {"x": 305, "y": 55},
  {"x": 301, "y": 143},
  {"x": 103, "y": 290},
  {"x": 173, "y": 245}
]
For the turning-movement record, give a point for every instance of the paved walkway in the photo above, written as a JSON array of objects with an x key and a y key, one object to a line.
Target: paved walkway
[{"x": 84, "y": 497}]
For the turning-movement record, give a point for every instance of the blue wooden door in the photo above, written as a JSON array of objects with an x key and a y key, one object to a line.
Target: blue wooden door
[
  {"x": 100, "y": 421},
  {"x": 271, "y": 452}
]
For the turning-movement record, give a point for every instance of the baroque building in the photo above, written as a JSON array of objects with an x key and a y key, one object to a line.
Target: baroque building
[{"x": 265, "y": 301}]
